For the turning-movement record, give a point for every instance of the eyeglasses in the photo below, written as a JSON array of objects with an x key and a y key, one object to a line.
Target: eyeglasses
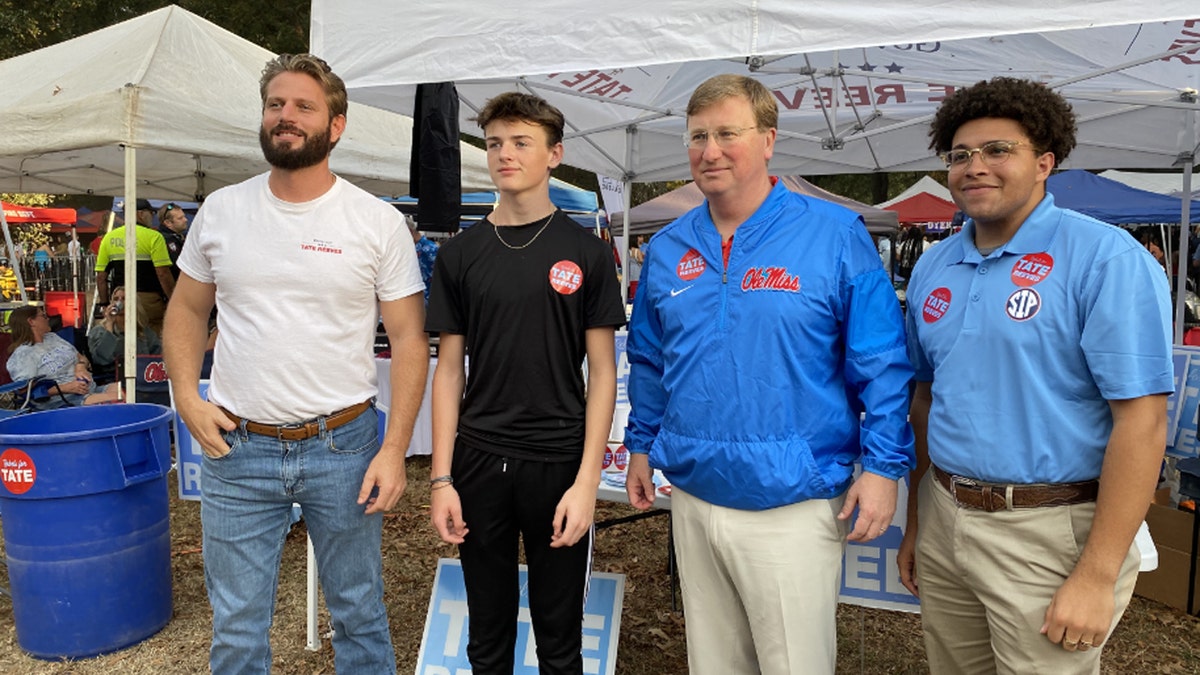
[
  {"x": 697, "y": 139},
  {"x": 994, "y": 153}
]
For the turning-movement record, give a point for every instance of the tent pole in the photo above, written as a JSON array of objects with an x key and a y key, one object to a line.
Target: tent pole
[
  {"x": 130, "y": 356},
  {"x": 12, "y": 259},
  {"x": 1184, "y": 227},
  {"x": 626, "y": 198},
  {"x": 75, "y": 275},
  {"x": 1188, "y": 160}
]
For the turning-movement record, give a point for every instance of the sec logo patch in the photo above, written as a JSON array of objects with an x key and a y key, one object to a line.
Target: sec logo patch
[{"x": 1023, "y": 304}]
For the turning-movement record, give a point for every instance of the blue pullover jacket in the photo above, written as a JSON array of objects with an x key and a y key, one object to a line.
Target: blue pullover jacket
[{"x": 746, "y": 384}]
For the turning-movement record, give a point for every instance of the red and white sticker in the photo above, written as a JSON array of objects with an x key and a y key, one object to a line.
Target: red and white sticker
[
  {"x": 621, "y": 458},
  {"x": 1032, "y": 268},
  {"x": 608, "y": 458},
  {"x": 937, "y": 303},
  {"x": 1023, "y": 304},
  {"x": 17, "y": 471},
  {"x": 691, "y": 265},
  {"x": 566, "y": 277}
]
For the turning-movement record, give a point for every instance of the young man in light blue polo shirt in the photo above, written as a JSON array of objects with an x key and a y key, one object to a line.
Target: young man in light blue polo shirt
[{"x": 1041, "y": 340}]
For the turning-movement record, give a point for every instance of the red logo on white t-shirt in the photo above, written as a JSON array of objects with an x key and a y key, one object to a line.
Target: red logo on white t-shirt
[
  {"x": 566, "y": 277},
  {"x": 1032, "y": 268},
  {"x": 691, "y": 265},
  {"x": 936, "y": 305},
  {"x": 17, "y": 471}
]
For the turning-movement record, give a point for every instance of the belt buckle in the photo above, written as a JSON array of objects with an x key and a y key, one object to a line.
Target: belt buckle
[{"x": 280, "y": 429}]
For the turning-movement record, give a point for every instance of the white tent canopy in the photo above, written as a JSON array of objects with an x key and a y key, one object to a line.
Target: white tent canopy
[
  {"x": 856, "y": 84},
  {"x": 181, "y": 91},
  {"x": 926, "y": 184},
  {"x": 623, "y": 76}
]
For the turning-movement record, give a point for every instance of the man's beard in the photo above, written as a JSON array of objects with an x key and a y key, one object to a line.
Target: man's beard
[{"x": 315, "y": 148}]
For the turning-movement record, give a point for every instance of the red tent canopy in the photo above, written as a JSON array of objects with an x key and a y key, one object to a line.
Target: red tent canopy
[
  {"x": 33, "y": 214},
  {"x": 924, "y": 207}
]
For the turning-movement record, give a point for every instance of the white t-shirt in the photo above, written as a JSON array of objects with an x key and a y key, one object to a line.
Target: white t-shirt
[{"x": 297, "y": 291}]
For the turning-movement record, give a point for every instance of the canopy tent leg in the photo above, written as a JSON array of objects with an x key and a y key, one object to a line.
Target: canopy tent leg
[
  {"x": 130, "y": 357},
  {"x": 12, "y": 259},
  {"x": 1185, "y": 218}
]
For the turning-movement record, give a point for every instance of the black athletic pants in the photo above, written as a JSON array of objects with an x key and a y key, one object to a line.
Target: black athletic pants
[{"x": 501, "y": 499}]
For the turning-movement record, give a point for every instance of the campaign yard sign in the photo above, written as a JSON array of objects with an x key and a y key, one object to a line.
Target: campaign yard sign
[
  {"x": 870, "y": 576},
  {"x": 444, "y": 643},
  {"x": 1183, "y": 405},
  {"x": 187, "y": 454}
]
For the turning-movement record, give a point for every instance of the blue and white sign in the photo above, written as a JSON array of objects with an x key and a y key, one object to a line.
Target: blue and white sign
[
  {"x": 621, "y": 411},
  {"x": 1183, "y": 405},
  {"x": 189, "y": 455},
  {"x": 870, "y": 577},
  {"x": 444, "y": 643}
]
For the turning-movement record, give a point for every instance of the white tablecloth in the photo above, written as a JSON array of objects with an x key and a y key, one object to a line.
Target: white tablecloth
[{"x": 422, "y": 437}]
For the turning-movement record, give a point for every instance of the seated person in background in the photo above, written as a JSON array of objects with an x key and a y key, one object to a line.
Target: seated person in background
[
  {"x": 106, "y": 339},
  {"x": 37, "y": 352}
]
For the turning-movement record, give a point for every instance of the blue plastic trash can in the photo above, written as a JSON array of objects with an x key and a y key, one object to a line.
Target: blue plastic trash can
[{"x": 86, "y": 526}]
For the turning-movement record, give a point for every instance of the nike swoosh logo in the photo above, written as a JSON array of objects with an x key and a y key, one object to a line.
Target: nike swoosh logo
[{"x": 677, "y": 291}]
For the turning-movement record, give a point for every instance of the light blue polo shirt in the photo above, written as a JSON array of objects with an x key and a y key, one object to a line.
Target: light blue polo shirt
[{"x": 1026, "y": 346}]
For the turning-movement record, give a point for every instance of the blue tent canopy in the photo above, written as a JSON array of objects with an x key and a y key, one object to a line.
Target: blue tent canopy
[
  {"x": 1114, "y": 202},
  {"x": 581, "y": 205}
]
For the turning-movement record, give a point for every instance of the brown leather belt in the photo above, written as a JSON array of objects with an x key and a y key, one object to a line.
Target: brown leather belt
[
  {"x": 300, "y": 431},
  {"x": 991, "y": 497}
]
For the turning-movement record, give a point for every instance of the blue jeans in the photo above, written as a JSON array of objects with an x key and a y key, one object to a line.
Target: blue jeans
[{"x": 246, "y": 506}]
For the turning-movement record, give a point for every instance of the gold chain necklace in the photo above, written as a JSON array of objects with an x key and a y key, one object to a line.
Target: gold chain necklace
[{"x": 496, "y": 229}]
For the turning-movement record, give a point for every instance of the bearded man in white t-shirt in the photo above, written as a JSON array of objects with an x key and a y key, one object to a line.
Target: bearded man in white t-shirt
[{"x": 301, "y": 264}]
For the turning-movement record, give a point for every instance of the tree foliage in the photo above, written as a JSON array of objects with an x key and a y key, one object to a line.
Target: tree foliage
[{"x": 27, "y": 25}]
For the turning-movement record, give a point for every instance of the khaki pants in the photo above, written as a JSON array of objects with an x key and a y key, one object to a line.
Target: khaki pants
[
  {"x": 760, "y": 588},
  {"x": 986, "y": 580}
]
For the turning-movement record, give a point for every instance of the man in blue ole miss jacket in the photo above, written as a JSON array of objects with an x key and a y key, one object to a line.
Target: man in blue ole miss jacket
[{"x": 764, "y": 326}]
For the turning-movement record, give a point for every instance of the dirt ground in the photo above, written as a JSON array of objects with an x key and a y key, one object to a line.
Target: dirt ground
[{"x": 1152, "y": 638}]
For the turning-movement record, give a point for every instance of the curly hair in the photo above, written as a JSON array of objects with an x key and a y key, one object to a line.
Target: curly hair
[{"x": 1043, "y": 114}]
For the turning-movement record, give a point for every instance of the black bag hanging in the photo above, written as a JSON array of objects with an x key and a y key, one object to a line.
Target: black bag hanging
[{"x": 435, "y": 166}]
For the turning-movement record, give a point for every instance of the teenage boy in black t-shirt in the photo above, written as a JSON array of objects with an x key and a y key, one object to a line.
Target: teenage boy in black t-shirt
[{"x": 517, "y": 445}]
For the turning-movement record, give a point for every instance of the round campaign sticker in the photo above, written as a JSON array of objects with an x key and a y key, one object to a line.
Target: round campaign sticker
[
  {"x": 937, "y": 303},
  {"x": 566, "y": 277},
  {"x": 691, "y": 265},
  {"x": 1023, "y": 304},
  {"x": 621, "y": 458},
  {"x": 1032, "y": 268},
  {"x": 17, "y": 471},
  {"x": 608, "y": 458}
]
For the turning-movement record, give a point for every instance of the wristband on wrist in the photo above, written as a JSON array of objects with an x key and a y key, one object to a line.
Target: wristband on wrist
[{"x": 447, "y": 479}]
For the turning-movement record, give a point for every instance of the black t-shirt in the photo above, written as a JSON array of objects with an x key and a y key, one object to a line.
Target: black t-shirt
[{"x": 523, "y": 314}]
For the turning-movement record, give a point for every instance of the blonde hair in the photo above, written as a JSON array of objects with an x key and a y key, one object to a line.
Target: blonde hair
[{"x": 720, "y": 87}]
